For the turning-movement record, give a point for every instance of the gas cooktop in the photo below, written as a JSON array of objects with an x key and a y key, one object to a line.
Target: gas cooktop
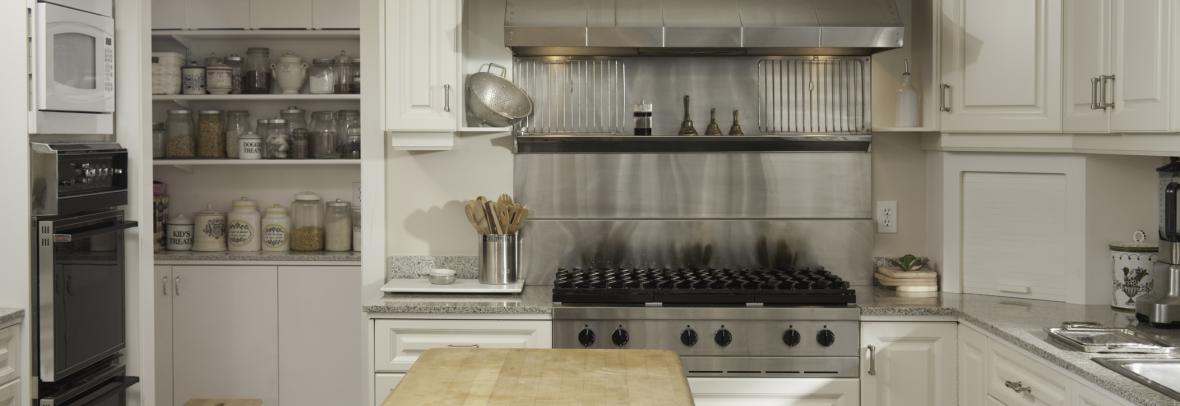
[{"x": 701, "y": 286}]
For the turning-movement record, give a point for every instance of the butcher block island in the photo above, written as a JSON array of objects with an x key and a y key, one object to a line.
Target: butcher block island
[{"x": 475, "y": 376}]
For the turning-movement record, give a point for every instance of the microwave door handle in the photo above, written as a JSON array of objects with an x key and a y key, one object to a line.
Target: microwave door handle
[
  {"x": 122, "y": 225},
  {"x": 112, "y": 386}
]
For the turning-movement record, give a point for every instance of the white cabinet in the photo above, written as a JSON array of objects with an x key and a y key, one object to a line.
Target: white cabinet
[
  {"x": 282, "y": 13},
  {"x": 774, "y": 392},
  {"x": 1013, "y": 379},
  {"x": 423, "y": 85},
  {"x": 224, "y": 333},
  {"x": 10, "y": 394},
  {"x": 320, "y": 346},
  {"x": 1117, "y": 76},
  {"x": 10, "y": 353},
  {"x": 972, "y": 364},
  {"x": 1001, "y": 65},
  {"x": 1084, "y": 396},
  {"x": 398, "y": 343},
  {"x": 912, "y": 364},
  {"x": 335, "y": 14},
  {"x": 383, "y": 385},
  {"x": 211, "y": 14},
  {"x": 163, "y": 301},
  {"x": 168, "y": 14}
]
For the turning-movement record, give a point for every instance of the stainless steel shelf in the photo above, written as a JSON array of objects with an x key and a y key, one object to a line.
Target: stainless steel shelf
[{"x": 531, "y": 144}]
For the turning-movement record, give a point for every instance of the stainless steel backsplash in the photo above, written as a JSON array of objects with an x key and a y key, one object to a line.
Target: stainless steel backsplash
[{"x": 776, "y": 210}]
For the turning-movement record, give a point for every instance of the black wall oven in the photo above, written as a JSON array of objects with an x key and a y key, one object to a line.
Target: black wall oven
[{"x": 79, "y": 273}]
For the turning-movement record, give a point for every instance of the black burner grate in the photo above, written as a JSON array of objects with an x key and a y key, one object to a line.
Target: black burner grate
[{"x": 701, "y": 287}]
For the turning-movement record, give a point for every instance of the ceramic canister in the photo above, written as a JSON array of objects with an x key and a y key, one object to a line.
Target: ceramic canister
[
  {"x": 1132, "y": 262},
  {"x": 290, "y": 73},
  {"x": 209, "y": 230}
]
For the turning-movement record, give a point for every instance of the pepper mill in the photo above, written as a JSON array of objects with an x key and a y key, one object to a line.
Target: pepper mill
[
  {"x": 713, "y": 128},
  {"x": 736, "y": 128},
  {"x": 686, "y": 127}
]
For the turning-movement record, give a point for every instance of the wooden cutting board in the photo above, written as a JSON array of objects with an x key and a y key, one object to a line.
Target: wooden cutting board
[
  {"x": 897, "y": 273},
  {"x": 223, "y": 402},
  {"x": 494, "y": 377},
  {"x": 887, "y": 281}
]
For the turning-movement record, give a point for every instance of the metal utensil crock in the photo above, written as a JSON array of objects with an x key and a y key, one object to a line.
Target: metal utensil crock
[{"x": 499, "y": 255}]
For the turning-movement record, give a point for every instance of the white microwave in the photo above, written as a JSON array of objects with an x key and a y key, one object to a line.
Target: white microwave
[{"x": 72, "y": 78}]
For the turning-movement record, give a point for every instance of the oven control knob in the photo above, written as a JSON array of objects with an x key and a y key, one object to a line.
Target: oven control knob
[
  {"x": 723, "y": 337},
  {"x": 825, "y": 337},
  {"x": 620, "y": 337},
  {"x": 586, "y": 337},
  {"x": 688, "y": 337},
  {"x": 791, "y": 337}
]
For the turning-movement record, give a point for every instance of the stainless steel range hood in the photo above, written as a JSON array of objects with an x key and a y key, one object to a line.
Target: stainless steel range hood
[{"x": 701, "y": 27}]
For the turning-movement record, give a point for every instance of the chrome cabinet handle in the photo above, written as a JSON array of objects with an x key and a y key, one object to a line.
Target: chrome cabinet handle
[
  {"x": 869, "y": 355},
  {"x": 1018, "y": 387},
  {"x": 1107, "y": 104},
  {"x": 447, "y": 98},
  {"x": 943, "y": 97},
  {"x": 463, "y": 346},
  {"x": 176, "y": 289},
  {"x": 1094, "y": 94},
  {"x": 164, "y": 285}
]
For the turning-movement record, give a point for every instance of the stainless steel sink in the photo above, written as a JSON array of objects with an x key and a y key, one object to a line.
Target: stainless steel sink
[{"x": 1161, "y": 374}]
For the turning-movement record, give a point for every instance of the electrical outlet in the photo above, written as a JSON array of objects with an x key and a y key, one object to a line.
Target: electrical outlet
[
  {"x": 356, "y": 193},
  {"x": 887, "y": 217}
]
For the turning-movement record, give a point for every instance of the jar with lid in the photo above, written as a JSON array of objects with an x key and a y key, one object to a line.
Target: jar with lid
[
  {"x": 321, "y": 76},
  {"x": 159, "y": 139},
  {"x": 257, "y": 76},
  {"x": 356, "y": 75},
  {"x": 323, "y": 135},
  {"x": 345, "y": 120},
  {"x": 212, "y": 59},
  {"x": 181, "y": 141},
  {"x": 210, "y": 134},
  {"x": 237, "y": 124},
  {"x": 343, "y": 65},
  {"x": 351, "y": 147},
  {"x": 338, "y": 226},
  {"x": 180, "y": 233},
  {"x": 356, "y": 228},
  {"x": 209, "y": 230},
  {"x": 300, "y": 144},
  {"x": 307, "y": 218},
  {"x": 296, "y": 117},
  {"x": 160, "y": 214},
  {"x": 219, "y": 79},
  {"x": 250, "y": 146},
  {"x": 277, "y": 143},
  {"x": 192, "y": 78},
  {"x": 262, "y": 127},
  {"x": 276, "y": 229},
  {"x": 243, "y": 226},
  {"x": 235, "y": 64}
]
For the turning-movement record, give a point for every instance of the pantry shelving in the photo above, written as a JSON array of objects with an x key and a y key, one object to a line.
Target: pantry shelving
[
  {"x": 255, "y": 162},
  {"x": 254, "y": 97}
]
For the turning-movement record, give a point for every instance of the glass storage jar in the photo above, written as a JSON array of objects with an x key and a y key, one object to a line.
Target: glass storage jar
[
  {"x": 346, "y": 119},
  {"x": 321, "y": 76},
  {"x": 300, "y": 144},
  {"x": 343, "y": 65},
  {"x": 235, "y": 63},
  {"x": 351, "y": 147},
  {"x": 356, "y": 75},
  {"x": 338, "y": 226},
  {"x": 277, "y": 140},
  {"x": 159, "y": 139},
  {"x": 257, "y": 75},
  {"x": 210, "y": 134},
  {"x": 323, "y": 135},
  {"x": 237, "y": 124},
  {"x": 307, "y": 219},
  {"x": 296, "y": 117},
  {"x": 181, "y": 141},
  {"x": 356, "y": 228}
]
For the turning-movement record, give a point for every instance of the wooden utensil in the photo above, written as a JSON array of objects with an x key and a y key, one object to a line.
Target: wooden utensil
[
  {"x": 493, "y": 218},
  {"x": 475, "y": 215}
]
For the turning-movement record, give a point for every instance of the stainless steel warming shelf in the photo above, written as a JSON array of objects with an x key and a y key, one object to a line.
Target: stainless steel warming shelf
[
  {"x": 606, "y": 144},
  {"x": 1091, "y": 337}
]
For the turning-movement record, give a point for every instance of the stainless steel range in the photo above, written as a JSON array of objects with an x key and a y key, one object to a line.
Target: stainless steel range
[{"x": 724, "y": 323}]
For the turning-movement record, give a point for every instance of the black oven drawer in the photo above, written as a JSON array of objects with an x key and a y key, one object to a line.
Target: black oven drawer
[{"x": 104, "y": 387}]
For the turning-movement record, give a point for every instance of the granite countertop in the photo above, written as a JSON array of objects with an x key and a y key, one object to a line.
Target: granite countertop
[
  {"x": 10, "y": 316},
  {"x": 533, "y": 300},
  {"x": 167, "y": 257}
]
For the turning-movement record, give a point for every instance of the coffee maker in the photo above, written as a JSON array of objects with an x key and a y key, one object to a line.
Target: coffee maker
[{"x": 1161, "y": 307}]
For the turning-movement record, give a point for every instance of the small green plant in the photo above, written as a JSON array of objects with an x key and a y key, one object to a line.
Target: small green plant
[{"x": 910, "y": 262}]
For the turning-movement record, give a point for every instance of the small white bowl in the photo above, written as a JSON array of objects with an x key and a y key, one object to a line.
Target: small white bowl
[{"x": 441, "y": 276}]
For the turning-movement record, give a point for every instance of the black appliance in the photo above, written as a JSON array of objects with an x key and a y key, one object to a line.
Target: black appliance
[{"x": 79, "y": 273}]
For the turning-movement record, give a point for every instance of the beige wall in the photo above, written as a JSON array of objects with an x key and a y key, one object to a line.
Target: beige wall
[{"x": 899, "y": 173}]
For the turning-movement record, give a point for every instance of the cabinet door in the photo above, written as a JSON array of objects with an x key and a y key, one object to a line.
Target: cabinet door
[
  {"x": 774, "y": 392},
  {"x": 1014, "y": 378},
  {"x": 168, "y": 15},
  {"x": 1087, "y": 57},
  {"x": 972, "y": 364},
  {"x": 163, "y": 301},
  {"x": 224, "y": 333},
  {"x": 294, "y": 14},
  {"x": 398, "y": 343},
  {"x": 422, "y": 65},
  {"x": 1083, "y": 395},
  {"x": 336, "y": 14},
  {"x": 383, "y": 385},
  {"x": 10, "y": 353},
  {"x": 1002, "y": 62},
  {"x": 211, "y": 14},
  {"x": 10, "y": 394},
  {"x": 1140, "y": 65},
  {"x": 320, "y": 341},
  {"x": 908, "y": 364}
]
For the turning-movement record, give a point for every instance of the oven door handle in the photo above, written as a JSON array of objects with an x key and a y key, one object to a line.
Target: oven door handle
[
  {"x": 113, "y": 385},
  {"x": 122, "y": 225}
]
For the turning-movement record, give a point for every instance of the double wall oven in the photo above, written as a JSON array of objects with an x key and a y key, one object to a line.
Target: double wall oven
[{"x": 79, "y": 280}]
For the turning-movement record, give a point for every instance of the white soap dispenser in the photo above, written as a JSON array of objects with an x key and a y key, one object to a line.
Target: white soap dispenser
[{"x": 907, "y": 102}]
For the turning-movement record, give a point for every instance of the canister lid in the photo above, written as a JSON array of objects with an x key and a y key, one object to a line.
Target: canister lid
[
  {"x": 251, "y": 135},
  {"x": 276, "y": 210},
  {"x": 180, "y": 111},
  {"x": 1137, "y": 244},
  {"x": 278, "y": 121},
  {"x": 180, "y": 219},
  {"x": 321, "y": 61},
  {"x": 233, "y": 58},
  {"x": 208, "y": 212},
  {"x": 338, "y": 203},
  {"x": 643, "y": 107},
  {"x": 210, "y": 112},
  {"x": 244, "y": 203},
  {"x": 307, "y": 196},
  {"x": 292, "y": 110}
]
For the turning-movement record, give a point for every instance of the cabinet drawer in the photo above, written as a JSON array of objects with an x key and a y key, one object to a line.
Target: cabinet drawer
[
  {"x": 1015, "y": 380},
  {"x": 383, "y": 385},
  {"x": 398, "y": 343},
  {"x": 9, "y": 354},
  {"x": 10, "y": 394}
]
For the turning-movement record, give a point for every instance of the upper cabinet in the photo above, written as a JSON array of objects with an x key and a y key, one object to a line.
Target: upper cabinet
[
  {"x": 255, "y": 14},
  {"x": 1001, "y": 65},
  {"x": 1117, "y": 72},
  {"x": 423, "y": 83}
]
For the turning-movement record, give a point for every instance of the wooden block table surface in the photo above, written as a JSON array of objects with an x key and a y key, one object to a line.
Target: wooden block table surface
[{"x": 542, "y": 377}]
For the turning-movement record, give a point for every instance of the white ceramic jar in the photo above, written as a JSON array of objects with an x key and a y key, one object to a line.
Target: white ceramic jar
[
  {"x": 1132, "y": 263},
  {"x": 193, "y": 78},
  {"x": 219, "y": 79},
  {"x": 250, "y": 146},
  {"x": 243, "y": 226},
  {"x": 180, "y": 233},
  {"x": 276, "y": 229},
  {"x": 209, "y": 230},
  {"x": 290, "y": 73}
]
